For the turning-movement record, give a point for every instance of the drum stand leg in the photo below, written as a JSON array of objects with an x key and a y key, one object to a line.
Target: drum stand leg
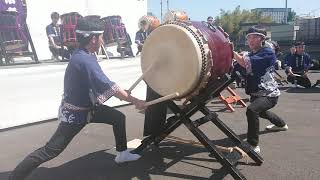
[
  {"x": 232, "y": 135},
  {"x": 182, "y": 116},
  {"x": 2, "y": 55},
  {"x": 211, "y": 147},
  {"x": 35, "y": 56},
  {"x": 104, "y": 51}
]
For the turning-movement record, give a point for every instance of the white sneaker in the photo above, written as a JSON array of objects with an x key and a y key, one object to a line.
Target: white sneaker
[
  {"x": 126, "y": 156},
  {"x": 276, "y": 128},
  {"x": 256, "y": 149}
]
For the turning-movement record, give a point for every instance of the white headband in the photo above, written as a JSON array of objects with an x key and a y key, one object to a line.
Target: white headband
[
  {"x": 87, "y": 33},
  {"x": 256, "y": 33}
]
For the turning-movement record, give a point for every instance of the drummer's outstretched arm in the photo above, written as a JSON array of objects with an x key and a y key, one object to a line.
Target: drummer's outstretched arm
[
  {"x": 239, "y": 59},
  {"x": 124, "y": 95}
]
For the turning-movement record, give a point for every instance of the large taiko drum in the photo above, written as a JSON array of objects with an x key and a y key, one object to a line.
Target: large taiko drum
[
  {"x": 12, "y": 35},
  {"x": 175, "y": 16},
  {"x": 95, "y": 18},
  {"x": 115, "y": 31},
  {"x": 69, "y": 22},
  {"x": 151, "y": 21},
  {"x": 180, "y": 57}
]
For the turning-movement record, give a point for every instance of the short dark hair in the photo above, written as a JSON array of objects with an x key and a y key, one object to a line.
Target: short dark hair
[
  {"x": 88, "y": 25},
  {"x": 257, "y": 29},
  {"x": 299, "y": 43},
  {"x": 55, "y": 15},
  {"x": 210, "y": 17},
  {"x": 143, "y": 22}
]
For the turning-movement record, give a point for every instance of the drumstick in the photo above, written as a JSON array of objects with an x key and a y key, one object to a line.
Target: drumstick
[
  {"x": 297, "y": 75},
  {"x": 96, "y": 55},
  {"x": 164, "y": 98},
  {"x": 140, "y": 79}
]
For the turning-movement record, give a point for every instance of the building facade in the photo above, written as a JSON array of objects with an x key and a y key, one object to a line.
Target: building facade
[
  {"x": 309, "y": 29},
  {"x": 278, "y": 15}
]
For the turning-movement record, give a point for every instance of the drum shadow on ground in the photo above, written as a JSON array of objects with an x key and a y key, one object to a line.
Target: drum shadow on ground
[
  {"x": 100, "y": 165},
  {"x": 228, "y": 142},
  {"x": 4, "y": 175}
]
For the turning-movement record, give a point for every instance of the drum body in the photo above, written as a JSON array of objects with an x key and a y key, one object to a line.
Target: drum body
[
  {"x": 152, "y": 22},
  {"x": 115, "y": 31},
  {"x": 95, "y": 18},
  {"x": 175, "y": 16},
  {"x": 12, "y": 35},
  {"x": 68, "y": 30},
  {"x": 183, "y": 56}
]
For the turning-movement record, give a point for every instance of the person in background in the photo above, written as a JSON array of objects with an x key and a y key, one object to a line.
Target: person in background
[
  {"x": 55, "y": 39},
  {"x": 210, "y": 20},
  {"x": 124, "y": 48},
  {"x": 141, "y": 35},
  {"x": 298, "y": 66},
  {"x": 289, "y": 55}
]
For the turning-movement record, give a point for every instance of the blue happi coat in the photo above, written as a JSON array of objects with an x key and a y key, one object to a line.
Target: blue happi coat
[{"x": 85, "y": 85}]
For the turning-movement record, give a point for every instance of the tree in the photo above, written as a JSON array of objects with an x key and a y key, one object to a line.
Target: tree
[
  {"x": 230, "y": 20},
  {"x": 291, "y": 16}
]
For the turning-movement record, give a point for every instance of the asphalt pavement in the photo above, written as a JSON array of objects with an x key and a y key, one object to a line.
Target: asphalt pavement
[{"x": 289, "y": 155}]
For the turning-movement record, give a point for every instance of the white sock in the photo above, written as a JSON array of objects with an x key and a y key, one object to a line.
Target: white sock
[{"x": 126, "y": 156}]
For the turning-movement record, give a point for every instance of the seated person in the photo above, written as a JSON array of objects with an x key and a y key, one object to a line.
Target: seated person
[
  {"x": 289, "y": 55},
  {"x": 124, "y": 48},
  {"x": 298, "y": 66},
  {"x": 55, "y": 39},
  {"x": 141, "y": 35}
]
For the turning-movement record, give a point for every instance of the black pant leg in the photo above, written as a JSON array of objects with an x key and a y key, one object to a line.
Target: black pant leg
[
  {"x": 304, "y": 81},
  {"x": 301, "y": 80},
  {"x": 55, "y": 52},
  {"x": 291, "y": 79},
  {"x": 257, "y": 106},
  {"x": 139, "y": 49},
  {"x": 155, "y": 115},
  {"x": 58, "y": 142},
  {"x": 108, "y": 115},
  {"x": 272, "y": 117}
]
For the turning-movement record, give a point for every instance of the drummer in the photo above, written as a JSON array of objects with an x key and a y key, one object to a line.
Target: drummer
[
  {"x": 261, "y": 85},
  {"x": 141, "y": 35},
  {"x": 83, "y": 105}
]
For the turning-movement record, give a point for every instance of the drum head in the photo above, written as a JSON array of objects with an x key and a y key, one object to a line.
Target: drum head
[{"x": 175, "y": 60}]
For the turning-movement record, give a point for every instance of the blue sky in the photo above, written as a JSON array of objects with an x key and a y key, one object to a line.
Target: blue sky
[{"x": 200, "y": 9}]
